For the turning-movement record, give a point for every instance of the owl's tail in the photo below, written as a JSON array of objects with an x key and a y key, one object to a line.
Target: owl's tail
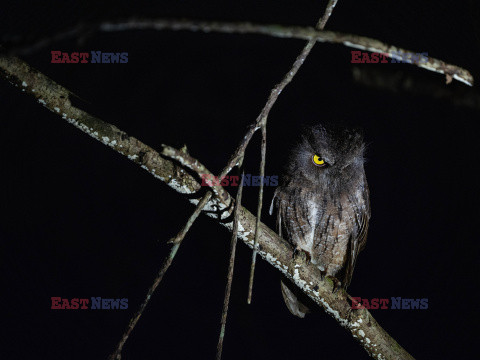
[{"x": 295, "y": 306}]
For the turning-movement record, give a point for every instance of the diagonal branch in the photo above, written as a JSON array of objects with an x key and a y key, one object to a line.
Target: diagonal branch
[{"x": 276, "y": 251}]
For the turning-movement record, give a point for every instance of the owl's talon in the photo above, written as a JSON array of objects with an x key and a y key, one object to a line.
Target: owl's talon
[
  {"x": 299, "y": 258},
  {"x": 302, "y": 255},
  {"x": 337, "y": 284},
  {"x": 322, "y": 275}
]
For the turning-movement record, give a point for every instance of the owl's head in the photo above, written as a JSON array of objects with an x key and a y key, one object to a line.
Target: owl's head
[{"x": 329, "y": 155}]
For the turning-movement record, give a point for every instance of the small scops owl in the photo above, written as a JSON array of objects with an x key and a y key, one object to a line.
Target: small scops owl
[{"x": 323, "y": 204}]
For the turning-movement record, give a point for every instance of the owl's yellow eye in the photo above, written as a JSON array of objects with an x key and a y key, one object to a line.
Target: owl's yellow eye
[{"x": 318, "y": 161}]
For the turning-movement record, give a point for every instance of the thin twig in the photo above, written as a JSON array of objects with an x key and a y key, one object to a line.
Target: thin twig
[
  {"x": 186, "y": 160},
  {"x": 228, "y": 288},
  {"x": 259, "y": 212},
  {"x": 177, "y": 241},
  {"x": 263, "y": 123},
  {"x": 328, "y": 12},
  {"x": 293, "y": 32}
]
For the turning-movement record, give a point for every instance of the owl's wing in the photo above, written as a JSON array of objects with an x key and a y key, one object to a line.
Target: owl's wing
[
  {"x": 358, "y": 239},
  {"x": 364, "y": 217},
  {"x": 290, "y": 292}
]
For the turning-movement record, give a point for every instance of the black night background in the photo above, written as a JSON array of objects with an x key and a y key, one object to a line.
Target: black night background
[{"x": 79, "y": 220}]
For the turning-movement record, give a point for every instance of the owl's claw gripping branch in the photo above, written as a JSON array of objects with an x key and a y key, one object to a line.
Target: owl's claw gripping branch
[
  {"x": 336, "y": 284},
  {"x": 300, "y": 258},
  {"x": 303, "y": 256}
]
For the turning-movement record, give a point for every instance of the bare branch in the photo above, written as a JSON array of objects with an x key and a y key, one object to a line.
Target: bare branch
[
  {"x": 297, "y": 32},
  {"x": 401, "y": 82},
  {"x": 293, "y": 32},
  {"x": 272, "y": 248}
]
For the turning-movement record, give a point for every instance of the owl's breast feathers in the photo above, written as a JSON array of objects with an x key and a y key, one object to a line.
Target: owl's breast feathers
[{"x": 331, "y": 227}]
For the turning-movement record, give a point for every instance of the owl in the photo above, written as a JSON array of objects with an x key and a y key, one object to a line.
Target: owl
[{"x": 323, "y": 206}]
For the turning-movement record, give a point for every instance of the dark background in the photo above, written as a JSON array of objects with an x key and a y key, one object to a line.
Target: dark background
[{"x": 79, "y": 220}]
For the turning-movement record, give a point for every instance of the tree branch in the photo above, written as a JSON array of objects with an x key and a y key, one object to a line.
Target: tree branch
[
  {"x": 272, "y": 248},
  {"x": 400, "y": 82},
  {"x": 293, "y": 32}
]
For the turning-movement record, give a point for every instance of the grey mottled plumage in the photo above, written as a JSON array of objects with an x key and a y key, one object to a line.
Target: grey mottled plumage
[{"x": 323, "y": 204}]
